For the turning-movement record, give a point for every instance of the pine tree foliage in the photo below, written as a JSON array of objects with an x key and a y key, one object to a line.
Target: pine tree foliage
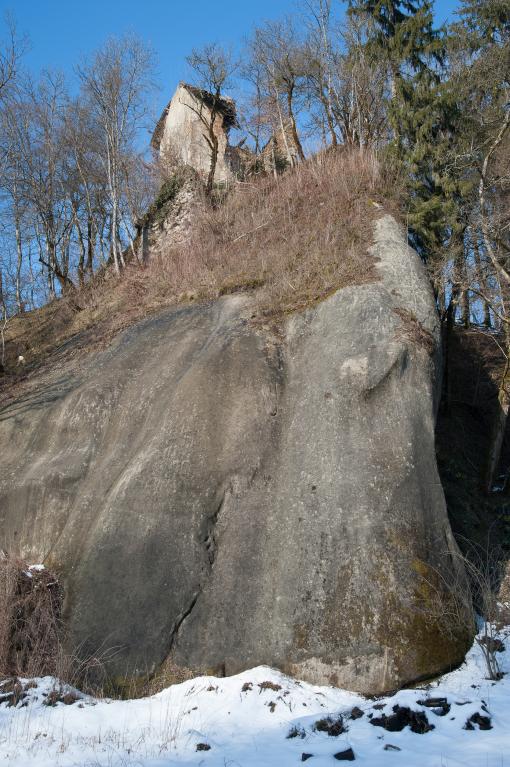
[
  {"x": 405, "y": 34},
  {"x": 418, "y": 111}
]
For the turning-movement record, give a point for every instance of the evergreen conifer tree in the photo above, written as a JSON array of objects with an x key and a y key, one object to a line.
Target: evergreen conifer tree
[{"x": 419, "y": 111}]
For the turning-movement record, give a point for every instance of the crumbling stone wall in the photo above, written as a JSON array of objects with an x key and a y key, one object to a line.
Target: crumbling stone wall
[{"x": 181, "y": 134}]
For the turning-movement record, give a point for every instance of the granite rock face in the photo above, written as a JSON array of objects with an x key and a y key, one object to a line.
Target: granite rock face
[{"x": 224, "y": 497}]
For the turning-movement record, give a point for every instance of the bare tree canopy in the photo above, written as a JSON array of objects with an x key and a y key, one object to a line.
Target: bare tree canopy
[
  {"x": 213, "y": 68},
  {"x": 117, "y": 83},
  {"x": 12, "y": 48}
]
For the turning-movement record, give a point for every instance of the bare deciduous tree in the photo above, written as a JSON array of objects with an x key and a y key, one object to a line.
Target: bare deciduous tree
[
  {"x": 213, "y": 67},
  {"x": 11, "y": 52},
  {"x": 321, "y": 60},
  {"x": 277, "y": 49},
  {"x": 117, "y": 83},
  {"x": 463, "y": 596}
]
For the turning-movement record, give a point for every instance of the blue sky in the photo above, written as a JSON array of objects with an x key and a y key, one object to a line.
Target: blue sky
[{"x": 62, "y": 31}]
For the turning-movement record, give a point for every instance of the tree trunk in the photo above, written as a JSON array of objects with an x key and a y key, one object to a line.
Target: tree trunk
[
  {"x": 329, "y": 118},
  {"x": 500, "y": 269},
  {"x": 2, "y": 297},
  {"x": 503, "y": 405},
  {"x": 103, "y": 246},
  {"x": 3, "y": 323},
  {"x": 295, "y": 136},
  {"x": 465, "y": 312},
  {"x": 114, "y": 229},
  {"x": 81, "y": 259},
  {"x": 290, "y": 158},
  {"x": 447, "y": 337},
  {"x": 51, "y": 272},
  {"x": 499, "y": 426},
  {"x": 32, "y": 279},
  {"x": 213, "y": 143},
  {"x": 440, "y": 298},
  {"x": 487, "y": 322},
  {"x": 19, "y": 263},
  {"x": 131, "y": 241},
  {"x": 54, "y": 269},
  {"x": 90, "y": 246}
]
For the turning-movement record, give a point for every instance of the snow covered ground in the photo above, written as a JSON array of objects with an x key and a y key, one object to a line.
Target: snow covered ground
[{"x": 246, "y": 721}]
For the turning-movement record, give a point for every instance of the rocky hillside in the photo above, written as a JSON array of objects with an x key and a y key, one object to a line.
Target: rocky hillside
[
  {"x": 217, "y": 493},
  {"x": 295, "y": 239}
]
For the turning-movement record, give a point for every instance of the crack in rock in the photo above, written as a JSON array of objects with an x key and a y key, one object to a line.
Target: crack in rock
[
  {"x": 210, "y": 538},
  {"x": 211, "y": 548}
]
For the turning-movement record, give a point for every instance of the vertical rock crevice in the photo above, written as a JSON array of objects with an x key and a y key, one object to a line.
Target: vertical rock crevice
[{"x": 211, "y": 546}]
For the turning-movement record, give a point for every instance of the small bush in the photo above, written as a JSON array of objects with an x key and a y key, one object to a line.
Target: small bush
[
  {"x": 30, "y": 620},
  {"x": 32, "y": 633}
]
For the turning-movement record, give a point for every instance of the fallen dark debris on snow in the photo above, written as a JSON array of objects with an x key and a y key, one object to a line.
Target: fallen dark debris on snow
[
  {"x": 56, "y": 696},
  {"x": 345, "y": 756},
  {"x": 12, "y": 692},
  {"x": 483, "y": 722},
  {"x": 403, "y": 717},
  {"x": 438, "y": 706},
  {"x": 269, "y": 686},
  {"x": 333, "y": 727}
]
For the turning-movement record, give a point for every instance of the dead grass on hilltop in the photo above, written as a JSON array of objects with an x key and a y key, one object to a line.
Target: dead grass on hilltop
[
  {"x": 296, "y": 238},
  {"x": 293, "y": 240}
]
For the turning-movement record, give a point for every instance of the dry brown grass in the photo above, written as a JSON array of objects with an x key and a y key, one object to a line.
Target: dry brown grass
[
  {"x": 412, "y": 330},
  {"x": 296, "y": 238},
  {"x": 32, "y": 632},
  {"x": 293, "y": 240},
  {"x": 30, "y": 622}
]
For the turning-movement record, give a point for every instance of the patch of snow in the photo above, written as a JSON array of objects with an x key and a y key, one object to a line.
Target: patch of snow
[
  {"x": 35, "y": 568},
  {"x": 245, "y": 721}
]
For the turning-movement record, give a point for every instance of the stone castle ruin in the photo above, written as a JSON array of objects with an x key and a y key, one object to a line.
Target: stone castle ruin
[
  {"x": 182, "y": 144},
  {"x": 180, "y": 138}
]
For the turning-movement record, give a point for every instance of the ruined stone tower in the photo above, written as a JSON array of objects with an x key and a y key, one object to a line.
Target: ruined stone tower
[{"x": 180, "y": 136}]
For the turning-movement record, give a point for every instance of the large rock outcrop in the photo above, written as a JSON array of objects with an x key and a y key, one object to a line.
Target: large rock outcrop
[{"x": 225, "y": 497}]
